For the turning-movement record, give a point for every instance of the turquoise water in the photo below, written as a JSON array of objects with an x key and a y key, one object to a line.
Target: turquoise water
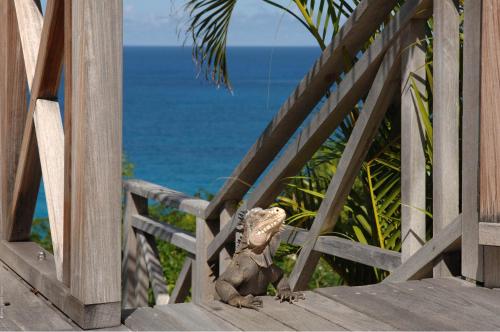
[{"x": 184, "y": 133}]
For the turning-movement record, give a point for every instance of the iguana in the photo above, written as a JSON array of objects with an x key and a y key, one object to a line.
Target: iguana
[{"x": 251, "y": 269}]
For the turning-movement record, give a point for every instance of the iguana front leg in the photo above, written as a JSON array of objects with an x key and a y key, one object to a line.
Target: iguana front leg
[
  {"x": 283, "y": 289},
  {"x": 226, "y": 286}
]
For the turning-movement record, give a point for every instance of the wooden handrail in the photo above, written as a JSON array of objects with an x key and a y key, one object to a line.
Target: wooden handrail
[
  {"x": 362, "y": 23},
  {"x": 168, "y": 197}
]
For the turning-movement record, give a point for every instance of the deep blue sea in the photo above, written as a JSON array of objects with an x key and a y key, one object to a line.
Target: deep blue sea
[{"x": 184, "y": 133}]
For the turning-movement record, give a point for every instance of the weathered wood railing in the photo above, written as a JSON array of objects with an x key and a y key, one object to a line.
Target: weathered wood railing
[
  {"x": 80, "y": 162},
  {"x": 380, "y": 75}
]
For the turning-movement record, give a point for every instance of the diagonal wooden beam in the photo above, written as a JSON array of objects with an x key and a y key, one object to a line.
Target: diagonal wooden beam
[
  {"x": 13, "y": 104},
  {"x": 366, "y": 127},
  {"x": 363, "y": 22},
  {"x": 354, "y": 86},
  {"x": 42, "y": 46},
  {"x": 418, "y": 265},
  {"x": 293, "y": 159}
]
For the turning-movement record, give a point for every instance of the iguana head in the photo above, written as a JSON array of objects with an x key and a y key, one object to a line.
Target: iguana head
[{"x": 259, "y": 227}]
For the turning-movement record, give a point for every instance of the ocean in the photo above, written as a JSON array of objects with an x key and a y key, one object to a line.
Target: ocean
[{"x": 184, "y": 133}]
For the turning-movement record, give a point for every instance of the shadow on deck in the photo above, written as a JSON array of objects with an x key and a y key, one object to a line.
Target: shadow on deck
[{"x": 431, "y": 304}]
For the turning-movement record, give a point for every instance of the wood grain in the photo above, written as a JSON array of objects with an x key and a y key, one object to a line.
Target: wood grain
[
  {"x": 413, "y": 172},
  {"x": 419, "y": 265},
  {"x": 365, "y": 129},
  {"x": 445, "y": 121},
  {"x": 96, "y": 150},
  {"x": 203, "y": 288},
  {"x": 50, "y": 138},
  {"x": 43, "y": 54},
  {"x": 472, "y": 252},
  {"x": 13, "y": 104}
]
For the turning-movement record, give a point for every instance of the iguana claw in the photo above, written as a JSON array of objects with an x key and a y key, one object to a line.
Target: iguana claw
[
  {"x": 288, "y": 295},
  {"x": 248, "y": 301}
]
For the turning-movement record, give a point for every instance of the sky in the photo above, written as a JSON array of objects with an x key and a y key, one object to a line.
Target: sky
[{"x": 254, "y": 23}]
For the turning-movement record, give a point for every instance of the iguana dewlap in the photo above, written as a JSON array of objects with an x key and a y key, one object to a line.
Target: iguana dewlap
[{"x": 251, "y": 269}]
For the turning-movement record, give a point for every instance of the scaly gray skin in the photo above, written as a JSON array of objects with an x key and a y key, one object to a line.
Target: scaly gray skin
[{"x": 251, "y": 269}]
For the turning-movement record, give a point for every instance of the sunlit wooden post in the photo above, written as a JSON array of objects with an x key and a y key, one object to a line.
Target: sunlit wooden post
[
  {"x": 481, "y": 135},
  {"x": 12, "y": 108},
  {"x": 96, "y": 154},
  {"x": 412, "y": 141}
]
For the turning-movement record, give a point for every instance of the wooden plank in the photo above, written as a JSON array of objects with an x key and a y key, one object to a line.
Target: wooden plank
[
  {"x": 245, "y": 319},
  {"x": 25, "y": 310},
  {"x": 417, "y": 266},
  {"x": 467, "y": 291},
  {"x": 445, "y": 121},
  {"x": 68, "y": 96},
  {"x": 203, "y": 287},
  {"x": 183, "y": 283},
  {"x": 12, "y": 109},
  {"x": 472, "y": 252},
  {"x": 171, "y": 234},
  {"x": 43, "y": 70},
  {"x": 134, "y": 291},
  {"x": 393, "y": 308},
  {"x": 358, "y": 252},
  {"x": 354, "y": 86},
  {"x": 226, "y": 215},
  {"x": 453, "y": 310},
  {"x": 155, "y": 271},
  {"x": 366, "y": 127},
  {"x": 489, "y": 234},
  {"x": 413, "y": 171},
  {"x": 40, "y": 274},
  {"x": 341, "y": 314},
  {"x": 96, "y": 150},
  {"x": 489, "y": 174},
  {"x": 367, "y": 17},
  {"x": 195, "y": 318},
  {"x": 167, "y": 197},
  {"x": 149, "y": 319},
  {"x": 50, "y": 137},
  {"x": 296, "y": 317}
]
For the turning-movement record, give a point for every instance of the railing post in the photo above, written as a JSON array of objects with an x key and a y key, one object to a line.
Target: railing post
[
  {"x": 445, "y": 173},
  {"x": 202, "y": 284},
  {"x": 412, "y": 141},
  {"x": 227, "y": 213},
  {"x": 13, "y": 105},
  {"x": 96, "y": 154},
  {"x": 134, "y": 277}
]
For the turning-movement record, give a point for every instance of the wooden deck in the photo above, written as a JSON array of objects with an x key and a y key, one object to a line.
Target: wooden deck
[{"x": 431, "y": 304}]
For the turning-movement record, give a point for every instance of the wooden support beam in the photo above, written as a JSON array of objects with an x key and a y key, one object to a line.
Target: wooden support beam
[
  {"x": 365, "y": 19},
  {"x": 445, "y": 166},
  {"x": 354, "y": 86},
  {"x": 96, "y": 150},
  {"x": 134, "y": 292},
  {"x": 472, "y": 252},
  {"x": 167, "y": 197},
  {"x": 365, "y": 129},
  {"x": 50, "y": 137},
  {"x": 183, "y": 283},
  {"x": 12, "y": 109},
  {"x": 420, "y": 264},
  {"x": 413, "y": 172},
  {"x": 22, "y": 257},
  {"x": 226, "y": 215},
  {"x": 43, "y": 54},
  {"x": 489, "y": 133},
  {"x": 149, "y": 252},
  {"x": 203, "y": 273},
  {"x": 489, "y": 234},
  {"x": 165, "y": 232}
]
